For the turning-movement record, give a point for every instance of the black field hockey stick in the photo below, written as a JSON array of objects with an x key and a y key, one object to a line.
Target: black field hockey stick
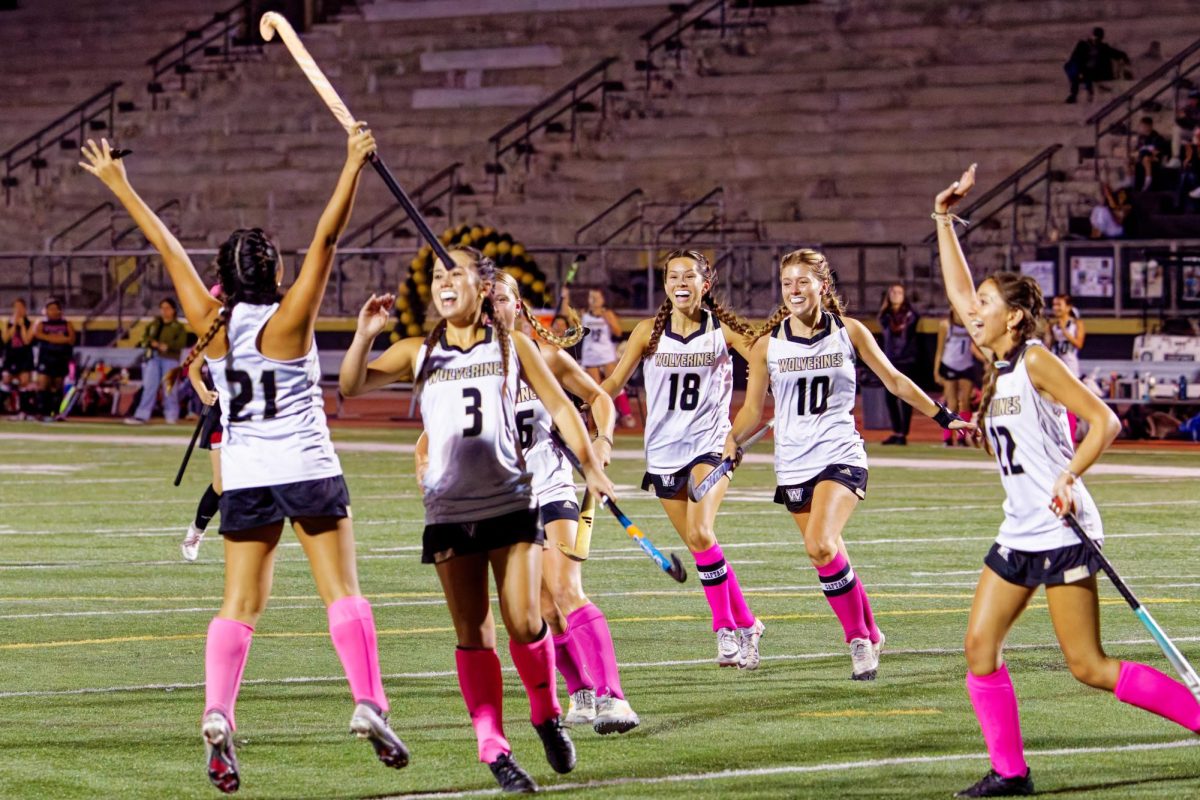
[
  {"x": 187, "y": 454},
  {"x": 696, "y": 491},
  {"x": 1181, "y": 664},
  {"x": 672, "y": 566}
]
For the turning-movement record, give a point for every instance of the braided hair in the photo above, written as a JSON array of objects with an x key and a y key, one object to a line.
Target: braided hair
[
  {"x": 572, "y": 335},
  {"x": 709, "y": 273},
  {"x": 1020, "y": 293},
  {"x": 818, "y": 264}
]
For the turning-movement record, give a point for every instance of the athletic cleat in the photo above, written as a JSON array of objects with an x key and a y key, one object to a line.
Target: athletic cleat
[
  {"x": 582, "y": 708},
  {"x": 370, "y": 724},
  {"x": 862, "y": 654},
  {"x": 614, "y": 715},
  {"x": 218, "y": 752},
  {"x": 511, "y": 777},
  {"x": 729, "y": 650},
  {"x": 992, "y": 785},
  {"x": 560, "y": 750},
  {"x": 748, "y": 644},
  {"x": 877, "y": 648},
  {"x": 191, "y": 543}
]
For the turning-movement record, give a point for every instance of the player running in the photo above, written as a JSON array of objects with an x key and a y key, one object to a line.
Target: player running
[
  {"x": 1026, "y": 395},
  {"x": 684, "y": 352},
  {"x": 806, "y": 354},
  {"x": 277, "y": 460},
  {"x": 480, "y": 509}
]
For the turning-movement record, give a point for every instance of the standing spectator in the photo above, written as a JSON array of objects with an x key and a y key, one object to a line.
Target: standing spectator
[
  {"x": 56, "y": 344},
  {"x": 1152, "y": 149},
  {"x": 1066, "y": 335},
  {"x": 163, "y": 341},
  {"x": 18, "y": 354},
  {"x": 1092, "y": 60},
  {"x": 599, "y": 355},
  {"x": 957, "y": 371},
  {"x": 898, "y": 319}
]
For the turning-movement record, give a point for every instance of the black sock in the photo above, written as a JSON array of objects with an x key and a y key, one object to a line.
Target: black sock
[{"x": 210, "y": 503}]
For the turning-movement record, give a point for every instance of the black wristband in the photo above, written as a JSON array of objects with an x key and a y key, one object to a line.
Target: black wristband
[{"x": 945, "y": 416}]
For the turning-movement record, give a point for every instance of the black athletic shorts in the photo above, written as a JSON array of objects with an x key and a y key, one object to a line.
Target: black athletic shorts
[
  {"x": 969, "y": 374},
  {"x": 243, "y": 509},
  {"x": 53, "y": 365},
  {"x": 443, "y": 541},
  {"x": 560, "y": 509},
  {"x": 666, "y": 487},
  {"x": 798, "y": 496},
  {"x": 1047, "y": 568},
  {"x": 211, "y": 431},
  {"x": 18, "y": 360}
]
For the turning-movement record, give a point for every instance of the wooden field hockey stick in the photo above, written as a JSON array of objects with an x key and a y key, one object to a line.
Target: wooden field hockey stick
[
  {"x": 672, "y": 566},
  {"x": 273, "y": 23},
  {"x": 696, "y": 491},
  {"x": 583, "y": 533},
  {"x": 187, "y": 454},
  {"x": 1181, "y": 664}
]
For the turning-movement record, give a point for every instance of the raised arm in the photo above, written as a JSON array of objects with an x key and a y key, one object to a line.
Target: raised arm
[
  {"x": 199, "y": 306},
  {"x": 575, "y": 380},
  {"x": 299, "y": 308},
  {"x": 956, "y": 275},
  {"x": 634, "y": 349},
  {"x": 566, "y": 419},
  {"x": 750, "y": 415},
  {"x": 356, "y": 376}
]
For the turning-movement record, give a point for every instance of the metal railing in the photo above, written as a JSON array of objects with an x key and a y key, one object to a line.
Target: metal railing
[
  {"x": 612, "y": 209},
  {"x": 667, "y": 35},
  {"x": 93, "y": 115},
  {"x": 387, "y": 222},
  {"x": 571, "y": 100},
  {"x": 220, "y": 37},
  {"x": 714, "y": 197},
  {"x": 1143, "y": 96}
]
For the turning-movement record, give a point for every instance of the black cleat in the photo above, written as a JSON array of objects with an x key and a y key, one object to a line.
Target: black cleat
[
  {"x": 992, "y": 785},
  {"x": 511, "y": 777},
  {"x": 560, "y": 750},
  {"x": 369, "y": 723},
  {"x": 218, "y": 747}
]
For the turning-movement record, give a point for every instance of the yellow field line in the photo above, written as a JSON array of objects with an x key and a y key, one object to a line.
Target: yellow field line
[{"x": 850, "y": 712}]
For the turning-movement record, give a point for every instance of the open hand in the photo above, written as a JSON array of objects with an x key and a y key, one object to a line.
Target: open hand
[
  {"x": 955, "y": 191},
  {"x": 100, "y": 162},
  {"x": 375, "y": 313}
]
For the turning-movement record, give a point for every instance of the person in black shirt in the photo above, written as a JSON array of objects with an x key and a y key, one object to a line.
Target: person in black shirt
[
  {"x": 56, "y": 344},
  {"x": 898, "y": 319},
  {"x": 1092, "y": 60},
  {"x": 1152, "y": 149},
  {"x": 17, "y": 334}
]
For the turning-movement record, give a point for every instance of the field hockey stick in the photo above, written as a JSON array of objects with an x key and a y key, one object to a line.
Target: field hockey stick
[
  {"x": 672, "y": 566},
  {"x": 187, "y": 454},
  {"x": 696, "y": 491},
  {"x": 72, "y": 396},
  {"x": 583, "y": 534},
  {"x": 568, "y": 279},
  {"x": 273, "y": 23},
  {"x": 1181, "y": 665}
]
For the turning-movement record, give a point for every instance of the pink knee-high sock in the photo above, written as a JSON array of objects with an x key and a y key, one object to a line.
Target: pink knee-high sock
[
  {"x": 621, "y": 401},
  {"x": 1072, "y": 423},
  {"x": 743, "y": 617},
  {"x": 995, "y": 704},
  {"x": 1145, "y": 687},
  {"x": 225, "y": 652},
  {"x": 570, "y": 661},
  {"x": 352, "y": 628},
  {"x": 838, "y": 581},
  {"x": 590, "y": 628},
  {"x": 868, "y": 617},
  {"x": 482, "y": 689},
  {"x": 535, "y": 665},
  {"x": 713, "y": 572}
]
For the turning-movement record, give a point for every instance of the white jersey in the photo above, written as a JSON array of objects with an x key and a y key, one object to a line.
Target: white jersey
[
  {"x": 273, "y": 412},
  {"x": 475, "y": 469},
  {"x": 1063, "y": 348},
  {"x": 689, "y": 383},
  {"x": 598, "y": 347},
  {"x": 813, "y": 382},
  {"x": 956, "y": 350},
  {"x": 1032, "y": 442},
  {"x": 553, "y": 481}
]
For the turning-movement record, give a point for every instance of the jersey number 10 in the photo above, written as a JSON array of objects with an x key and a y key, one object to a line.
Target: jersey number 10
[{"x": 817, "y": 401}]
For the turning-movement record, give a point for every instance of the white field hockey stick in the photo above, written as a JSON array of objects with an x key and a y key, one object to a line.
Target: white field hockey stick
[
  {"x": 583, "y": 534},
  {"x": 273, "y": 23},
  {"x": 1181, "y": 665},
  {"x": 696, "y": 491}
]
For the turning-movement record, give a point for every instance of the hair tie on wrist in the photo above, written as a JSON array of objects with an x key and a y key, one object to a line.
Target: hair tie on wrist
[{"x": 949, "y": 217}]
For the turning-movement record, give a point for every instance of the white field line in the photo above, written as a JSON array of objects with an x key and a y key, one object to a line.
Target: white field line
[
  {"x": 802, "y": 769},
  {"x": 691, "y": 662}
]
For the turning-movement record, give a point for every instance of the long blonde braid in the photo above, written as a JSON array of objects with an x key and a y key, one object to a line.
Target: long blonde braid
[{"x": 572, "y": 335}]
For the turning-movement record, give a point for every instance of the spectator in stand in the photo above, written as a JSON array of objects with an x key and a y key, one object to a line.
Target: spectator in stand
[
  {"x": 1189, "y": 174},
  {"x": 56, "y": 345},
  {"x": 898, "y": 319},
  {"x": 1108, "y": 216},
  {"x": 1152, "y": 150},
  {"x": 18, "y": 356},
  {"x": 1187, "y": 115},
  {"x": 1093, "y": 60},
  {"x": 163, "y": 341},
  {"x": 1065, "y": 339}
]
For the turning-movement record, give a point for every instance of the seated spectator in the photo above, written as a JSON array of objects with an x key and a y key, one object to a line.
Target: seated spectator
[
  {"x": 1108, "y": 217},
  {"x": 1152, "y": 150},
  {"x": 1187, "y": 197},
  {"x": 1093, "y": 60},
  {"x": 1187, "y": 116}
]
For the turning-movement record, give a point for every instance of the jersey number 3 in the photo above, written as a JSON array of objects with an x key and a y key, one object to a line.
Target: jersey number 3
[{"x": 474, "y": 400}]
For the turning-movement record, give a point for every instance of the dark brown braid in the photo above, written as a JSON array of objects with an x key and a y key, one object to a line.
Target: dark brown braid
[
  {"x": 430, "y": 342},
  {"x": 660, "y": 324},
  {"x": 205, "y": 340},
  {"x": 1020, "y": 293},
  {"x": 727, "y": 317}
]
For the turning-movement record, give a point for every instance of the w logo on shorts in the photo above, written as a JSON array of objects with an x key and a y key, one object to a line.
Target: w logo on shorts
[
  {"x": 667, "y": 481},
  {"x": 795, "y": 495}
]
